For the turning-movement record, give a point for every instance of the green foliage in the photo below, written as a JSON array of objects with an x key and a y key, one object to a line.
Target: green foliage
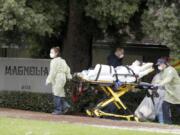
[
  {"x": 27, "y": 101},
  {"x": 30, "y": 16},
  {"x": 109, "y": 12},
  {"x": 161, "y": 22},
  {"x": 31, "y": 22},
  {"x": 34, "y": 19},
  {"x": 81, "y": 97},
  {"x": 28, "y": 22}
]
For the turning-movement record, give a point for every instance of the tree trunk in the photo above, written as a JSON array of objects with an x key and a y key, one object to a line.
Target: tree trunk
[{"x": 77, "y": 48}]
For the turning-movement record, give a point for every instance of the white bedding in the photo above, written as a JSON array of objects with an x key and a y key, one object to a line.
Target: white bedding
[{"x": 124, "y": 73}]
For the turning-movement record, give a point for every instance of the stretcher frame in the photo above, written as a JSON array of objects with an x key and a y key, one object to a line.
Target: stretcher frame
[{"x": 114, "y": 96}]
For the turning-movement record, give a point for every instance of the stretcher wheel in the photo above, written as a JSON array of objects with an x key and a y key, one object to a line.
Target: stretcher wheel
[
  {"x": 89, "y": 113},
  {"x": 96, "y": 113},
  {"x": 136, "y": 119},
  {"x": 93, "y": 113}
]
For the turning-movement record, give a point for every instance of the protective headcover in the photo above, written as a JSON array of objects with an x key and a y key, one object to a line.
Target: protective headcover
[{"x": 162, "y": 61}]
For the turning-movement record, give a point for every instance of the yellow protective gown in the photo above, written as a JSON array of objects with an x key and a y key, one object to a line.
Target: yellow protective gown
[
  {"x": 59, "y": 72},
  {"x": 171, "y": 81}
]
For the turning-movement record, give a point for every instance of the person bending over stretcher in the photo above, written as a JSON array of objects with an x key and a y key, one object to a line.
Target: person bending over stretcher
[
  {"x": 170, "y": 80},
  {"x": 123, "y": 73}
]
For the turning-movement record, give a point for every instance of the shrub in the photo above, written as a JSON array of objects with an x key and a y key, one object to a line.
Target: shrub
[{"x": 26, "y": 101}]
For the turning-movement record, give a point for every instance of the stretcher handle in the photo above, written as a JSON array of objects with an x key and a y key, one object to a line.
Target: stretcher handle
[{"x": 145, "y": 85}]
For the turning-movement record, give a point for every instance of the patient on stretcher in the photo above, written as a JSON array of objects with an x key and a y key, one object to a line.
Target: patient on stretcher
[{"x": 126, "y": 74}]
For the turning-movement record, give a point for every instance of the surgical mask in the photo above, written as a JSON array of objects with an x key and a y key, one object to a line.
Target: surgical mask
[
  {"x": 52, "y": 55},
  {"x": 160, "y": 68},
  {"x": 121, "y": 56}
]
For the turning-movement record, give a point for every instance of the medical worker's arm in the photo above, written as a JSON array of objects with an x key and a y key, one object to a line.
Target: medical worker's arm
[
  {"x": 52, "y": 73},
  {"x": 68, "y": 73},
  {"x": 167, "y": 79}
]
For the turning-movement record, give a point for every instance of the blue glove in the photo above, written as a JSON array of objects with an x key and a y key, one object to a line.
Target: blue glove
[{"x": 117, "y": 84}]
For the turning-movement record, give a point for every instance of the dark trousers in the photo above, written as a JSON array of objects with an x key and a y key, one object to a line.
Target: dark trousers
[
  {"x": 166, "y": 108},
  {"x": 58, "y": 103},
  {"x": 111, "y": 108}
]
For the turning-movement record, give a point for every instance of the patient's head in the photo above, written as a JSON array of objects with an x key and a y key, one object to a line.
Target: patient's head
[{"x": 136, "y": 63}]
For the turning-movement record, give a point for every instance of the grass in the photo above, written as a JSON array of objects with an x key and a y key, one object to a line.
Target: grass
[{"x": 12, "y": 126}]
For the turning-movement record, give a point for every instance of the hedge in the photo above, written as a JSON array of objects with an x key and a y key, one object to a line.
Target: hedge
[{"x": 26, "y": 101}]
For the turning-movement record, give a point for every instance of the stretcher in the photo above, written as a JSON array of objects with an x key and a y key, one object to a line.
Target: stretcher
[
  {"x": 113, "y": 96},
  {"x": 115, "y": 84}
]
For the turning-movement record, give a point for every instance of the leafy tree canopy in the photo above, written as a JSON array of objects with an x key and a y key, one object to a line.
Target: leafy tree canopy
[
  {"x": 34, "y": 20},
  {"x": 31, "y": 16},
  {"x": 161, "y": 22},
  {"x": 110, "y": 12}
]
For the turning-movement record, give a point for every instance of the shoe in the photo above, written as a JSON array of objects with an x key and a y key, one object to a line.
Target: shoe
[
  {"x": 66, "y": 110},
  {"x": 56, "y": 113},
  {"x": 66, "y": 107}
]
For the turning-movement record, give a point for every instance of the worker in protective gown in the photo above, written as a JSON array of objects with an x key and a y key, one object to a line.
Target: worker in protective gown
[
  {"x": 170, "y": 80},
  {"x": 58, "y": 74}
]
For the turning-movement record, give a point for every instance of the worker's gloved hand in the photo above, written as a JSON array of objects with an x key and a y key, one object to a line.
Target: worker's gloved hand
[
  {"x": 144, "y": 85},
  {"x": 156, "y": 85},
  {"x": 117, "y": 84}
]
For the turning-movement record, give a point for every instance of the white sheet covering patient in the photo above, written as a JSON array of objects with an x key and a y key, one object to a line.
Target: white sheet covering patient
[{"x": 124, "y": 73}]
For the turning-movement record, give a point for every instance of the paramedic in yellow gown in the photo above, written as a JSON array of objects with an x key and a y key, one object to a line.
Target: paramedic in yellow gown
[
  {"x": 170, "y": 80},
  {"x": 58, "y": 74}
]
